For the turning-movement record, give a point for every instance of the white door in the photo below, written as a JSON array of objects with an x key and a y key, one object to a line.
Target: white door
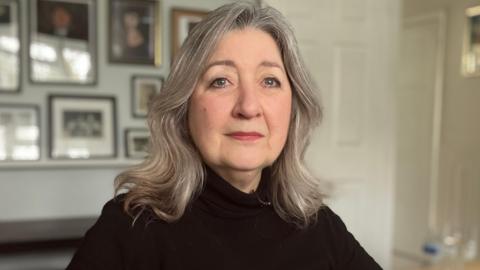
[
  {"x": 419, "y": 97},
  {"x": 349, "y": 47}
]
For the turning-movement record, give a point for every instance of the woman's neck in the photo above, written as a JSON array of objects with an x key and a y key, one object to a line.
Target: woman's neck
[{"x": 245, "y": 181}]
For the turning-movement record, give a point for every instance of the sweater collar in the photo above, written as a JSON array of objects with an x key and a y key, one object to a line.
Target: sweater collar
[{"x": 220, "y": 198}]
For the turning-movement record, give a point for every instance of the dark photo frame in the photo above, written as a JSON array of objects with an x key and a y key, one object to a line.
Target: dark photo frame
[
  {"x": 134, "y": 32},
  {"x": 136, "y": 142},
  {"x": 144, "y": 88},
  {"x": 82, "y": 127},
  {"x": 19, "y": 132}
]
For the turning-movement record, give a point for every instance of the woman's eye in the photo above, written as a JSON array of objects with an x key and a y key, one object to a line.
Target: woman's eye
[
  {"x": 219, "y": 83},
  {"x": 271, "y": 82}
]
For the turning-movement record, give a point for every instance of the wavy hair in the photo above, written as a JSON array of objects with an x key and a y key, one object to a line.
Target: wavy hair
[{"x": 173, "y": 173}]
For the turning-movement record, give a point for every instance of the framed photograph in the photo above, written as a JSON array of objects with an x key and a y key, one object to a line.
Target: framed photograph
[
  {"x": 134, "y": 27},
  {"x": 471, "y": 47},
  {"x": 62, "y": 42},
  {"x": 19, "y": 132},
  {"x": 144, "y": 88},
  {"x": 82, "y": 127},
  {"x": 136, "y": 142},
  {"x": 10, "y": 64},
  {"x": 182, "y": 22}
]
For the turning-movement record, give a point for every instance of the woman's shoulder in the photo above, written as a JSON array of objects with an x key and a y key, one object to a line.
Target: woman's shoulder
[
  {"x": 113, "y": 220},
  {"x": 331, "y": 225},
  {"x": 114, "y": 234},
  {"x": 114, "y": 208},
  {"x": 327, "y": 216},
  {"x": 114, "y": 212},
  {"x": 331, "y": 229},
  {"x": 346, "y": 250}
]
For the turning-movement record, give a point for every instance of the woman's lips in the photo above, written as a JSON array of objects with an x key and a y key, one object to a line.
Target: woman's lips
[{"x": 245, "y": 136}]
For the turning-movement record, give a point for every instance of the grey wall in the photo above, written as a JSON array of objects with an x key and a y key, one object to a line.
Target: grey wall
[{"x": 49, "y": 189}]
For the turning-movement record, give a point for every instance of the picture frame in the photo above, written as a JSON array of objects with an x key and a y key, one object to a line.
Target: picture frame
[
  {"x": 19, "y": 132},
  {"x": 11, "y": 47},
  {"x": 136, "y": 142},
  {"x": 471, "y": 44},
  {"x": 182, "y": 22},
  {"x": 135, "y": 32},
  {"x": 82, "y": 127},
  {"x": 144, "y": 87},
  {"x": 62, "y": 42}
]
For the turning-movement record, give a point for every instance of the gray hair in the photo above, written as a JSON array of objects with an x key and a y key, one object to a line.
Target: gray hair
[{"x": 173, "y": 173}]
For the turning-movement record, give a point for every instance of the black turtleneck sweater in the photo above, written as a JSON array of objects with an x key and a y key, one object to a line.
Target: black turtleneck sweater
[{"x": 223, "y": 228}]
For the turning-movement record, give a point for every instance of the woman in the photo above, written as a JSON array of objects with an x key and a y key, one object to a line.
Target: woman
[{"x": 225, "y": 185}]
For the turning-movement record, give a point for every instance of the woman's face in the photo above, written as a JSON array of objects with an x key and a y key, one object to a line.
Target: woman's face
[{"x": 239, "y": 112}]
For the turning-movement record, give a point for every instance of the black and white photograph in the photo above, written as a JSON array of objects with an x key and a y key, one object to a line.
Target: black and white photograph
[
  {"x": 19, "y": 132},
  {"x": 136, "y": 142},
  {"x": 144, "y": 88},
  {"x": 82, "y": 127},
  {"x": 10, "y": 46},
  {"x": 82, "y": 124},
  {"x": 471, "y": 54},
  {"x": 134, "y": 32}
]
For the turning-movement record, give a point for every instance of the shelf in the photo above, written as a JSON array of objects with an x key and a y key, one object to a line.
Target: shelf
[{"x": 67, "y": 164}]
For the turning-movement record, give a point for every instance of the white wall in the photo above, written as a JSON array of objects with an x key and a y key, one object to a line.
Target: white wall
[{"x": 52, "y": 190}]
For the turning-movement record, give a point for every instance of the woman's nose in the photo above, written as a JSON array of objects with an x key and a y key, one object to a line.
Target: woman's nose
[{"x": 247, "y": 105}]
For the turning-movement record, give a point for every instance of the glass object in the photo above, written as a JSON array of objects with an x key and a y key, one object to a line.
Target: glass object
[{"x": 454, "y": 241}]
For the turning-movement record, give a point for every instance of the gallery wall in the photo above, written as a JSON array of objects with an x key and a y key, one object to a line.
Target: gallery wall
[{"x": 48, "y": 189}]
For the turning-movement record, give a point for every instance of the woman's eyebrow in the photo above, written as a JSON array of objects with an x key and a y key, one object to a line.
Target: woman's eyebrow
[
  {"x": 271, "y": 64},
  {"x": 230, "y": 63}
]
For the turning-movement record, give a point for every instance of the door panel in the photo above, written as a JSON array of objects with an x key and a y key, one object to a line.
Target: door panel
[{"x": 349, "y": 47}]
